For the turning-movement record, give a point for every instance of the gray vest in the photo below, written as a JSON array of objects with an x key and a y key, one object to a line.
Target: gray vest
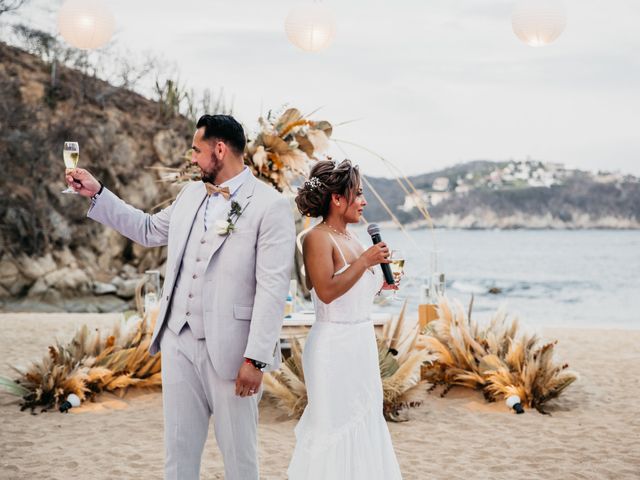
[{"x": 187, "y": 302}]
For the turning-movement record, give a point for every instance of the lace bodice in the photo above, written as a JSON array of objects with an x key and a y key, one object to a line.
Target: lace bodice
[{"x": 355, "y": 305}]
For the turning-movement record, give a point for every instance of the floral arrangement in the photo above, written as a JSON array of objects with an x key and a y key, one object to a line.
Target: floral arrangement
[
  {"x": 89, "y": 364},
  {"x": 285, "y": 146},
  {"x": 496, "y": 360}
]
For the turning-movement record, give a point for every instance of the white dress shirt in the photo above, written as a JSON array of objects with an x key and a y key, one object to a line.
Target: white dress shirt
[{"x": 216, "y": 205}]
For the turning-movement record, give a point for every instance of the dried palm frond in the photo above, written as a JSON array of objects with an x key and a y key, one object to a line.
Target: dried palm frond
[
  {"x": 287, "y": 383},
  {"x": 285, "y": 147},
  {"x": 91, "y": 363},
  {"x": 399, "y": 371},
  {"x": 496, "y": 360},
  {"x": 393, "y": 331},
  {"x": 399, "y": 388}
]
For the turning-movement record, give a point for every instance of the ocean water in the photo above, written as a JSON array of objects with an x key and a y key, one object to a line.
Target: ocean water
[{"x": 547, "y": 278}]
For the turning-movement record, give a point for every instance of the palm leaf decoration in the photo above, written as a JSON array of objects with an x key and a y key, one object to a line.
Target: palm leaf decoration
[
  {"x": 400, "y": 355},
  {"x": 496, "y": 360},
  {"x": 89, "y": 364},
  {"x": 285, "y": 146}
]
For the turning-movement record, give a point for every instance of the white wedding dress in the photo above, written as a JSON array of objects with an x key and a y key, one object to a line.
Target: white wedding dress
[{"x": 342, "y": 434}]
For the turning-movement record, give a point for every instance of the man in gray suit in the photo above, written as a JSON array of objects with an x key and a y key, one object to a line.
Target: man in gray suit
[{"x": 230, "y": 253}]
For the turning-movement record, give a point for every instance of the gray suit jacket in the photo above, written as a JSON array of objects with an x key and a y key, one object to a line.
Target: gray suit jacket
[{"x": 248, "y": 272}]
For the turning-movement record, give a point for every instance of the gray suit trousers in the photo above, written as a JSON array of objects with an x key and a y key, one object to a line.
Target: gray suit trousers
[{"x": 192, "y": 391}]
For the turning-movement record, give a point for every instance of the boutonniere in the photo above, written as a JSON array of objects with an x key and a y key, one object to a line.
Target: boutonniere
[{"x": 228, "y": 226}]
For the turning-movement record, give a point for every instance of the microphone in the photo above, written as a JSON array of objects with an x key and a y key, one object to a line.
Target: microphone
[{"x": 374, "y": 231}]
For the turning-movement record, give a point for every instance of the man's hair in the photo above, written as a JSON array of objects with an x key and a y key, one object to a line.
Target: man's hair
[{"x": 223, "y": 128}]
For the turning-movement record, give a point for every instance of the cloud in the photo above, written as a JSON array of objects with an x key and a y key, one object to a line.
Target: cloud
[
  {"x": 433, "y": 82},
  {"x": 498, "y": 11}
]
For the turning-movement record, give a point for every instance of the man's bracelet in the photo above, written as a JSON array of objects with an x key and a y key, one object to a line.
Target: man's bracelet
[
  {"x": 95, "y": 195},
  {"x": 256, "y": 364}
]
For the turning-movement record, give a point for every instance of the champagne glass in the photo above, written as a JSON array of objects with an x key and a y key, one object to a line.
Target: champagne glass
[
  {"x": 151, "y": 289},
  {"x": 71, "y": 155},
  {"x": 437, "y": 283},
  {"x": 397, "y": 268},
  {"x": 151, "y": 296}
]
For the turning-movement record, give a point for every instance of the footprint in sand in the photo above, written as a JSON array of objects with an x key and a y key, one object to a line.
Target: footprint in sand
[{"x": 22, "y": 444}]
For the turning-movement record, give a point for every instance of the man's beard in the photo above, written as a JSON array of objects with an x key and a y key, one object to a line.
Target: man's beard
[{"x": 211, "y": 175}]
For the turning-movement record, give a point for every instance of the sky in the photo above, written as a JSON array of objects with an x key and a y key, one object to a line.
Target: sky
[{"x": 425, "y": 84}]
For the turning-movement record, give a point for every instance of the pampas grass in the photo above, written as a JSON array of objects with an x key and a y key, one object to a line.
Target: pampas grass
[
  {"x": 400, "y": 357},
  {"x": 496, "y": 360},
  {"x": 89, "y": 364},
  {"x": 286, "y": 384}
]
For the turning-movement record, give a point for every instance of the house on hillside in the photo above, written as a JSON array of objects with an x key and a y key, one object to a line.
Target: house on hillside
[
  {"x": 417, "y": 199},
  {"x": 440, "y": 184},
  {"x": 422, "y": 199}
]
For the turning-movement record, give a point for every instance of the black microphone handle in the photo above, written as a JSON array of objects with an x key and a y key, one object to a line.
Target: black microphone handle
[{"x": 386, "y": 269}]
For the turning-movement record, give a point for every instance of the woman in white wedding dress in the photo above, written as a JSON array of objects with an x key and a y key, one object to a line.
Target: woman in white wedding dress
[{"x": 342, "y": 434}]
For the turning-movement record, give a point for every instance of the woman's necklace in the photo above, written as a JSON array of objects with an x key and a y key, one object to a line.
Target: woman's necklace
[{"x": 346, "y": 234}]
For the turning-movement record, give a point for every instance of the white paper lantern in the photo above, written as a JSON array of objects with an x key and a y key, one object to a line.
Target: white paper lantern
[
  {"x": 539, "y": 22},
  {"x": 310, "y": 27},
  {"x": 86, "y": 24}
]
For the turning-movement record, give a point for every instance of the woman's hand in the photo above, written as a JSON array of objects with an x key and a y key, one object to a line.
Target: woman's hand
[
  {"x": 395, "y": 286},
  {"x": 375, "y": 255}
]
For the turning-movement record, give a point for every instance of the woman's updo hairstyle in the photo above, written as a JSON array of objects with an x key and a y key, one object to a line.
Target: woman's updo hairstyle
[{"x": 325, "y": 179}]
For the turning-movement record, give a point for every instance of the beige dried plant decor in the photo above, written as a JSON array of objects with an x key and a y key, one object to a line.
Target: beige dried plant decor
[
  {"x": 496, "y": 359},
  {"x": 89, "y": 364}
]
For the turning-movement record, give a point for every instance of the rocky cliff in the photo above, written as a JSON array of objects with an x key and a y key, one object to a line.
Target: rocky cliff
[{"x": 50, "y": 252}]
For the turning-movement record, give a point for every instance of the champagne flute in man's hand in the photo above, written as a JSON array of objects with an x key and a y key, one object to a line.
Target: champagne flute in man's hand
[{"x": 71, "y": 155}]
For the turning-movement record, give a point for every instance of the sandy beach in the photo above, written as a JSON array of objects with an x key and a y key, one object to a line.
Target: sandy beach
[{"x": 593, "y": 432}]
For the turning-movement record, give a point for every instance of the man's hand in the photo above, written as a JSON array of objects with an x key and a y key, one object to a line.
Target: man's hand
[
  {"x": 83, "y": 182},
  {"x": 248, "y": 381}
]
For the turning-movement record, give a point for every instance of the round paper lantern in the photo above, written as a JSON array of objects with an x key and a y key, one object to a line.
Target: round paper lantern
[
  {"x": 539, "y": 22},
  {"x": 85, "y": 24},
  {"x": 310, "y": 27}
]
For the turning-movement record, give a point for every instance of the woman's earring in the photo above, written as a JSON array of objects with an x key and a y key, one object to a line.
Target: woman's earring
[{"x": 338, "y": 203}]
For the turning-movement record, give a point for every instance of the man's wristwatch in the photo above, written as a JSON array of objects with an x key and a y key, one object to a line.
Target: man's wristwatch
[{"x": 257, "y": 365}]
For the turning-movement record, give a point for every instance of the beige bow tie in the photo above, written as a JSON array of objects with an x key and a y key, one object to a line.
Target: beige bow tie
[{"x": 213, "y": 189}]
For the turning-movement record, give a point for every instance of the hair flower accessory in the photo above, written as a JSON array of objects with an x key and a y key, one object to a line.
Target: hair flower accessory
[{"x": 313, "y": 183}]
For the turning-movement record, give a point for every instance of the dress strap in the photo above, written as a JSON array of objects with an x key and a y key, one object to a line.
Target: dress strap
[{"x": 344, "y": 260}]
